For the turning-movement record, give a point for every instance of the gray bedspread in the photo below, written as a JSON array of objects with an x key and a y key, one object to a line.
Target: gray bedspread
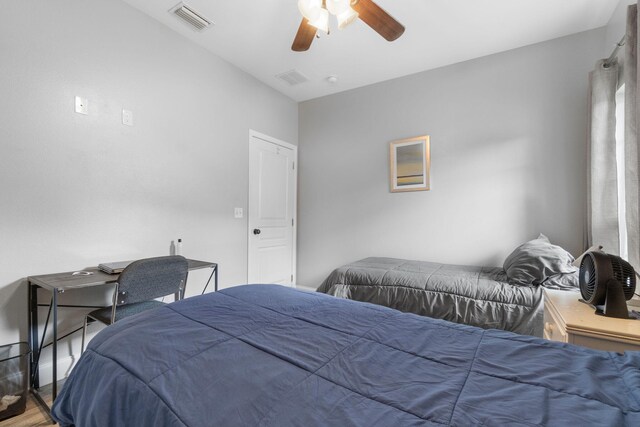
[{"x": 477, "y": 296}]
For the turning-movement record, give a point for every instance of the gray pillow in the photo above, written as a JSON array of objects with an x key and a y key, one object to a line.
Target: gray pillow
[
  {"x": 578, "y": 261},
  {"x": 535, "y": 261},
  {"x": 565, "y": 282}
]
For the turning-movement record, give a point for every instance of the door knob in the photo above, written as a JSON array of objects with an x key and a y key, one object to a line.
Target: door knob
[{"x": 256, "y": 231}]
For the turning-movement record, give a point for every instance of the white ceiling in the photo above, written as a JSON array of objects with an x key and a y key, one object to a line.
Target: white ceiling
[{"x": 256, "y": 36}]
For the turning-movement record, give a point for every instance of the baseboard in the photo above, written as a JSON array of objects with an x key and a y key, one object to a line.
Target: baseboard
[{"x": 65, "y": 365}]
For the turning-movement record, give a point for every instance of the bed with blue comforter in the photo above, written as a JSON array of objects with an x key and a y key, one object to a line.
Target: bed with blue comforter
[{"x": 266, "y": 355}]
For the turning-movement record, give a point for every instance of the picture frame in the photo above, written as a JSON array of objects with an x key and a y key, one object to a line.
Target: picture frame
[{"x": 410, "y": 164}]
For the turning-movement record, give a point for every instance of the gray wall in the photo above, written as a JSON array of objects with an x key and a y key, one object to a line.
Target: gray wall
[
  {"x": 616, "y": 27},
  {"x": 508, "y": 136},
  {"x": 78, "y": 190}
]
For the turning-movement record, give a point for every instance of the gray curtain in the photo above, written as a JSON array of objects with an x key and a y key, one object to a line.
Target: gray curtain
[
  {"x": 602, "y": 212},
  {"x": 630, "y": 75},
  {"x": 602, "y": 196}
]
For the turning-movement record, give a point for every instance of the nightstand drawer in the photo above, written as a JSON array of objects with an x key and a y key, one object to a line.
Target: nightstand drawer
[
  {"x": 552, "y": 329},
  {"x": 606, "y": 343},
  {"x": 568, "y": 320}
]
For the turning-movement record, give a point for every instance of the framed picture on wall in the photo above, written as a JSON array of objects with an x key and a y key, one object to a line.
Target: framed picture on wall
[{"x": 409, "y": 164}]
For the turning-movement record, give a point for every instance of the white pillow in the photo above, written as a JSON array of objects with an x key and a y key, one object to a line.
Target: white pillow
[{"x": 595, "y": 248}]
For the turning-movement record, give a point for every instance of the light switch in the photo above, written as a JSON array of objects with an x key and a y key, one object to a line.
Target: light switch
[
  {"x": 82, "y": 105},
  {"x": 238, "y": 213},
  {"x": 127, "y": 117}
]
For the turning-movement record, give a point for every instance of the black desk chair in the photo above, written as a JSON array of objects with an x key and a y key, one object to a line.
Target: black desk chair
[{"x": 137, "y": 287}]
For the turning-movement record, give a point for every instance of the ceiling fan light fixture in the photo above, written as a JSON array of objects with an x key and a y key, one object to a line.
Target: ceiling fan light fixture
[
  {"x": 310, "y": 9},
  {"x": 316, "y": 17},
  {"x": 322, "y": 20},
  {"x": 346, "y": 18},
  {"x": 336, "y": 7}
]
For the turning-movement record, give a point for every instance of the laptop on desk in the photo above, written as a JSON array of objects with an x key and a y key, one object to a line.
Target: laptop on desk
[{"x": 114, "y": 267}]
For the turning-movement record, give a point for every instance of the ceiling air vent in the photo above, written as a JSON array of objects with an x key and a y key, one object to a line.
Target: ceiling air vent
[
  {"x": 293, "y": 77},
  {"x": 192, "y": 18}
]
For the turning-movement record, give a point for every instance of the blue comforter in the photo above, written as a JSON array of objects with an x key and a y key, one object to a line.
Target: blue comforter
[{"x": 272, "y": 356}]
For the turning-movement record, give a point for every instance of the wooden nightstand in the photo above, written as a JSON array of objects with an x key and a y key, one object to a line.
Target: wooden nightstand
[{"x": 568, "y": 320}]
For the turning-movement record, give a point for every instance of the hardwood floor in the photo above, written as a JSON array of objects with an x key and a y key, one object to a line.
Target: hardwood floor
[{"x": 34, "y": 415}]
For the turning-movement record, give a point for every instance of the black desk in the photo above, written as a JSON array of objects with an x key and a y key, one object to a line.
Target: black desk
[{"x": 58, "y": 283}]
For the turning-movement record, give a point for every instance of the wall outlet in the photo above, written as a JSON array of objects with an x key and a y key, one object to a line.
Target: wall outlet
[
  {"x": 127, "y": 117},
  {"x": 82, "y": 105},
  {"x": 238, "y": 213}
]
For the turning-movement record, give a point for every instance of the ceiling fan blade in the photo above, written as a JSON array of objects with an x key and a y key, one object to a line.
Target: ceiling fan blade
[
  {"x": 381, "y": 22},
  {"x": 304, "y": 37}
]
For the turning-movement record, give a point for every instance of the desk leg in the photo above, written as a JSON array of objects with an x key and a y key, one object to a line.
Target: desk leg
[
  {"x": 180, "y": 294},
  {"x": 214, "y": 272},
  {"x": 54, "y": 345},
  {"x": 33, "y": 336},
  {"x": 36, "y": 348}
]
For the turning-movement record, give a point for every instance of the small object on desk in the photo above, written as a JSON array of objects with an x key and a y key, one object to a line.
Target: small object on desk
[
  {"x": 81, "y": 273},
  {"x": 179, "y": 247},
  {"x": 114, "y": 267}
]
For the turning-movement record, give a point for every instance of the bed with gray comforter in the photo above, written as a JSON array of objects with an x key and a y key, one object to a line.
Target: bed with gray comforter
[{"x": 477, "y": 296}]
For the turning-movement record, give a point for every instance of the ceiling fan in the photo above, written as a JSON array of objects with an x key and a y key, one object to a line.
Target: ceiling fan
[{"x": 316, "y": 17}]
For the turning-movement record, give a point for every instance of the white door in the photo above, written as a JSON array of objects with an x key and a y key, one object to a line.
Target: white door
[{"x": 272, "y": 207}]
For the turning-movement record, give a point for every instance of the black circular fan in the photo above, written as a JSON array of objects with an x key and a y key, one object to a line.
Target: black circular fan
[{"x": 607, "y": 280}]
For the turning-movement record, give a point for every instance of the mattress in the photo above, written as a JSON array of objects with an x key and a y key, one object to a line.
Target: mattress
[
  {"x": 477, "y": 296},
  {"x": 265, "y": 355}
]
